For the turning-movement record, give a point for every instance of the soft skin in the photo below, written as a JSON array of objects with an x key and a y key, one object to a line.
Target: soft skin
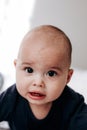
[{"x": 42, "y": 71}]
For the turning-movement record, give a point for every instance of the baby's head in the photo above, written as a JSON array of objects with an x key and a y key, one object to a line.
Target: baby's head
[
  {"x": 43, "y": 64},
  {"x": 49, "y": 36}
]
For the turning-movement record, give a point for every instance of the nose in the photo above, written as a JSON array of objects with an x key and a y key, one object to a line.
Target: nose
[{"x": 38, "y": 81}]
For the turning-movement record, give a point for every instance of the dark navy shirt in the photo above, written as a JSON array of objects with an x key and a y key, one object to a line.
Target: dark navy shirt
[{"x": 68, "y": 112}]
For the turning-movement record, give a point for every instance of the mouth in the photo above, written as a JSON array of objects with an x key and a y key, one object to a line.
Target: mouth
[{"x": 36, "y": 95}]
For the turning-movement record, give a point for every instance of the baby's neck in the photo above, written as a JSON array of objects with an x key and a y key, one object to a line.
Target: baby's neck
[{"x": 40, "y": 111}]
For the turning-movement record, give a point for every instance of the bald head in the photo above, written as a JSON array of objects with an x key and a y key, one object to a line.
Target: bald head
[{"x": 51, "y": 36}]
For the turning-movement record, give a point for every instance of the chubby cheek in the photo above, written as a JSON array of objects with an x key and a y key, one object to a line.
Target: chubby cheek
[
  {"x": 56, "y": 89},
  {"x": 55, "y": 93},
  {"x": 22, "y": 85}
]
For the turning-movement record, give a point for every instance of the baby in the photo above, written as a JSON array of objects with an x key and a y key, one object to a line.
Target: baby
[{"x": 41, "y": 99}]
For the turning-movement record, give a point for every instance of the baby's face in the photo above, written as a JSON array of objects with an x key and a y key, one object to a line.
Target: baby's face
[{"x": 41, "y": 70}]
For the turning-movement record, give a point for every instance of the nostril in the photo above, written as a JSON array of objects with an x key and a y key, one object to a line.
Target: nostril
[
  {"x": 34, "y": 84},
  {"x": 38, "y": 85}
]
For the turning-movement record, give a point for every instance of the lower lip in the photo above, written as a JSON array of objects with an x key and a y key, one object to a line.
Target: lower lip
[{"x": 36, "y": 97}]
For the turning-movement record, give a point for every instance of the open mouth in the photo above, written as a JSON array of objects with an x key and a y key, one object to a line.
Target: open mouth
[{"x": 36, "y": 95}]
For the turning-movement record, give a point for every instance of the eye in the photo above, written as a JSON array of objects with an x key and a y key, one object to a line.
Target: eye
[
  {"x": 29, "y": 70},
  {"x": 52, "y": 73}
]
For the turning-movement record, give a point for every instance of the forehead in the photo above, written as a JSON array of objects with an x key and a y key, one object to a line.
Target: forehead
[
  {"x": 41, "y": 42},
  {"x": 43, "y": 39},
  {"x": 43, "y": 48}
]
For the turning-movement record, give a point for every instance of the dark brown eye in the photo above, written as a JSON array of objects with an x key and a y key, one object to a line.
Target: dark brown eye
[
  {"x": 52, "y": 73},
  {"x": 29, "y": 70}
]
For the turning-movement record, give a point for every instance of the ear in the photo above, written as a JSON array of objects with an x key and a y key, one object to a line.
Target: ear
[
  {"x": 70, "y": 73},
  {"x": 15, "y": 62}
]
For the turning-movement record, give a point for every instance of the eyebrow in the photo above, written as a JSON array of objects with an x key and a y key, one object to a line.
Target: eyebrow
[
  {"x": 57, "y": 68},
  {"x": 27, "y": 63}
]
